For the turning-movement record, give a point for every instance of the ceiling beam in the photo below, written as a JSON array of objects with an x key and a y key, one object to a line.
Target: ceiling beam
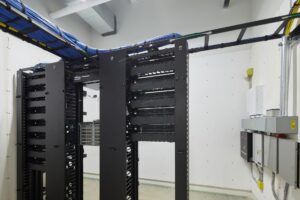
[
  {"x": 226, "y": 3},
  {"x": 74, "y": 8},
  {"x": 100, "y": 18}
]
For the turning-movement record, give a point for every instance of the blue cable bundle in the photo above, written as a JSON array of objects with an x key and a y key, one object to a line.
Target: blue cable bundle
[{"x": 67, "y": 46}]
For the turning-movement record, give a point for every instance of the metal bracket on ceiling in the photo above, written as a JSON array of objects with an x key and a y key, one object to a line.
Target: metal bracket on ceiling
[{"x": 226, "y": 3}]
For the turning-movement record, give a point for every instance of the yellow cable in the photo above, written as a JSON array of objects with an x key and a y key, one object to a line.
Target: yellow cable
[
  {"x": 3, "y": 25},
  {"x": 294, "y": 10},
  {"x": 13, "y": 29}
]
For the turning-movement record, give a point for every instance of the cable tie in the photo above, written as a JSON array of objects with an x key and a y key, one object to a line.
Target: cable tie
[{"x": 23, "y": 7}]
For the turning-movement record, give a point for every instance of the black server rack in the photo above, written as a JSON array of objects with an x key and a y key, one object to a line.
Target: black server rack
[
  {"x": 49, "y": 152},
  {"x": 144, "y": 97}
]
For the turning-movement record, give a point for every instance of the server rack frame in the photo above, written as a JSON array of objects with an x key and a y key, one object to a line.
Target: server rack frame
[{"x": 116, "y": 138}]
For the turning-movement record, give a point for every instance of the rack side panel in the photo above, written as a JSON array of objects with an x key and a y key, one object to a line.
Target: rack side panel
[
  {"x": 20, "y": 136},
  {"x": 55, "y": 129},
  {"x": 181, "y": 121},
  {"x": 113, "y": 143}
]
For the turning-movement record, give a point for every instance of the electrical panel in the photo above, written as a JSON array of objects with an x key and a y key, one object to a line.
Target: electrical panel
[
  {"x": 289, "y": 161},
  {"x": 246, "y": 145},
  {"x": 255, "y": 101},
  {"x": 258, "y": 149},
  {"x": 282, "y": 156},
  {"x": 281, "y": 124},
  {"x": 271, "y": 153}
]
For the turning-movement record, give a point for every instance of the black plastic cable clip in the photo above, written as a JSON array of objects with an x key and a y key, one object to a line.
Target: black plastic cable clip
[
  {"x": 23, "y": 7},
  {"x": 7, "y": 5}
]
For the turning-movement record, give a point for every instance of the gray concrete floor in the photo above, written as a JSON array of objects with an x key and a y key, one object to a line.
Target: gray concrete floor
[{"x": 149, "y": 192}]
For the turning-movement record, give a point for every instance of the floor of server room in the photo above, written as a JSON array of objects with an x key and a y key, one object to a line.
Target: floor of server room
[{"x": 150, "y": 192}]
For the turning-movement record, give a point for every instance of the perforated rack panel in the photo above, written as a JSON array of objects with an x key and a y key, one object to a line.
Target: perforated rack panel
[
  {"x": 90, "y": 133},
  {"x": 49, "y": 150},
  {"x": 31, "y": 143}
]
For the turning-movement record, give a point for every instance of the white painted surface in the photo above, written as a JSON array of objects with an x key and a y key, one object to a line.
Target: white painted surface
[
  {"x": 217, "y": 103},
  {"x": 150, "y": 18},
  {"x": 76, "y": 7},
  {"x": 258, "y": 149},
  {"x": 3, "y": 116},
  {"x": 255, "y": 101},
  {"x": 265, "y": 58},
  {"x": 100, "y": 18},
  {"x": 91, "y": 106},
  {"x": 193, "y": 188}
]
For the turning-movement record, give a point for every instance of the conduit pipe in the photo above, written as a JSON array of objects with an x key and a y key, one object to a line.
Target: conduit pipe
[{"x": 285, "y": 75}]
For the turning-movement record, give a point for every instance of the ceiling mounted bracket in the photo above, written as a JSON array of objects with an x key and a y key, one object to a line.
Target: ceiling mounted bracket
[{"x": 226, "y": 3}]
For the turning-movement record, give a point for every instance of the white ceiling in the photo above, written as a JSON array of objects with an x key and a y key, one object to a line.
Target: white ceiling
[{"x": 99, "y": 18}]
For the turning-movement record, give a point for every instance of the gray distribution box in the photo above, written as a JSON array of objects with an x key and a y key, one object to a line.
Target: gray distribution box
[
  {"x": 288, "y": 161},
  {"x": 258, "y": 149},
  {"x": 271, "y": 153},
  {"x": 283, "y": 125}
]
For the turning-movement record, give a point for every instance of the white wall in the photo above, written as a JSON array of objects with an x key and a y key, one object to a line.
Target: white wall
[
  {"x": 14, "y": 54},
  {"x": 146, "y": 19},
  {"x": 265, "y": 58},
  {"x": 91, "y": 106},
  {"x": 217, "y": 88}
]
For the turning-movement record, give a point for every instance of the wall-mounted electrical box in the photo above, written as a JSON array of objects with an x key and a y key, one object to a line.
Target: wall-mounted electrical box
[
  {"x": 255, "y": 101},
  {"x": 246, "y": 146},
  {"x": 281, "y": 124},
  {"x": 271, "y": 153},
  {"x": 288, "y": 161},
  {"x": 282, "y": 156},
  {"x": 258, "y": 149}
]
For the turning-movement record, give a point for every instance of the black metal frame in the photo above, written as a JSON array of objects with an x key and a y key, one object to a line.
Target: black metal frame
[
  {"x": 226, "y": 3},
  {"x": 113, "y": 138},
  {"x": 242, "y": 28},
  {"x": 138, "y": 48},
  {"x": 138, "y": 105},
  {"x": 50, "y": 157},
  {"x": 144, "y": 97}
]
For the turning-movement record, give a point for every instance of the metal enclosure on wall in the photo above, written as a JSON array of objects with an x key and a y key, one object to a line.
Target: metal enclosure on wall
[
  {"x": 271, "y": 153},
  {"x": 288, "y": 161}
]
